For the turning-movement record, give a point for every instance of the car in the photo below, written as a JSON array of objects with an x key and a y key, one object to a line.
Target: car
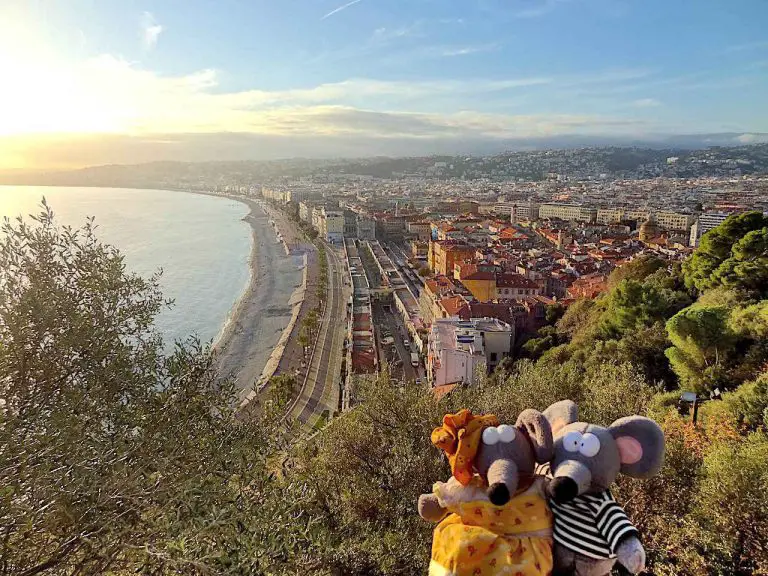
[
  {"x": 407, "y": 343},
  {"x": 419, "y": 381}
]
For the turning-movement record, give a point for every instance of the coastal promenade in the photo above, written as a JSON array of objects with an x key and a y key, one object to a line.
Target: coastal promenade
[
  {"x": 321, "y": 388},
  {"x": 264, "y": 311}
]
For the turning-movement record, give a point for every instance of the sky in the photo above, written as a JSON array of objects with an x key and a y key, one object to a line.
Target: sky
[{"x": 89, "y": 82}]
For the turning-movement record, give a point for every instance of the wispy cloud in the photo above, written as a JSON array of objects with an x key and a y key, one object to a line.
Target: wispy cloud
[
  {"x": 150, "y": 30},
  {"x": 466, "y": 50},
  {"x": 340, "y": 8},
  {"x": 645, "y": 103}
]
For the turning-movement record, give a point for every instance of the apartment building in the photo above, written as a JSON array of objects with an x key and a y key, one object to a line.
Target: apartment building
[
  {"x": 524, "y": 211},
  {"x": 675, "y": 221},
  {"x": 706, "y": 222},
  {"x": 609, "y": 216},
  {"x": 459, "y": 350},
  {"x": 569, "y": 212},
  {"x": 443, "y": 255},
  {"x": 366, "y": 228},
  {"x": 420, "y": 230}
]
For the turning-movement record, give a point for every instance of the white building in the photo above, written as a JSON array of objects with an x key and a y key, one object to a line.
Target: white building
[
  {"x": 706, "y": 222},
  {"x": 459, "y": 350}
]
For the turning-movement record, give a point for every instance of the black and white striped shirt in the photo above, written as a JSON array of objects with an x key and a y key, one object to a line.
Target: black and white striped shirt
[{"x": 591, "y": 524}]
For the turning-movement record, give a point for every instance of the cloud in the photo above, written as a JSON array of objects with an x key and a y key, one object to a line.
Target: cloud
[
  {"x": 466, "y": 50},
  {"x": 752, "y": 138},
  {"x": 645, "y": 103},
  {"x": 340, "y": 8},
  {"x": 110, "y": 95},
  {"x": 150, "y": 31}
]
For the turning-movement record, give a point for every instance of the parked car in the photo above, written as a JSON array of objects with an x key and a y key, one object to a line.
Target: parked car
[{"x": 414, "y": 359}]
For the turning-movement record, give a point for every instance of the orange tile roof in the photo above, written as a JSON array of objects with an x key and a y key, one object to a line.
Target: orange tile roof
[{"x": 440, "y": 391}]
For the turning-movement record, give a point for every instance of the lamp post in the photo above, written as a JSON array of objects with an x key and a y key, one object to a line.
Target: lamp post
[{"x": 693, "y": 399}]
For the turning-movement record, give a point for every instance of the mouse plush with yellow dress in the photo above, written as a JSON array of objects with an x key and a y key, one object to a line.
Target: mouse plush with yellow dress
[{"x": 493, "y": 514}]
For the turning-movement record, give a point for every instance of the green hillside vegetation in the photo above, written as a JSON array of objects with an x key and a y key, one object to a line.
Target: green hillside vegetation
[{"x": 118, "y": 457}]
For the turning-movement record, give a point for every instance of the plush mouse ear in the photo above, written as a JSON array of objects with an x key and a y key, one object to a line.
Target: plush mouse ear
[
  {"x": 641, "y": 445},
  {"x": 539, "y": 432},
  {"x": 560, "y": 414}
]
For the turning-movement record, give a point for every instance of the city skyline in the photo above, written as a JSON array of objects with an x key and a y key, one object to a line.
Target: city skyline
[{"x": 95, "y": 84}]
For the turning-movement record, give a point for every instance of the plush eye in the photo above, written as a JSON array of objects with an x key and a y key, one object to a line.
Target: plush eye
[
  {"x": 572, "y": 441},
  {"x": 590, "y": 445},
  {"x": 506, "y": 433},
  {"x": 490, "y": 436}
]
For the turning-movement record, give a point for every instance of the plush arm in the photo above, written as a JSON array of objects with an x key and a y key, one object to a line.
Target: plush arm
[
  {"x": 430, "y": 509},
  {"x": 631, "y": 554}
]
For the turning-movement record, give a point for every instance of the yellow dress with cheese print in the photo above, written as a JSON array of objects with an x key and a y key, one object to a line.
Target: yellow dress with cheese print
[{"x": 480, "y": 539}]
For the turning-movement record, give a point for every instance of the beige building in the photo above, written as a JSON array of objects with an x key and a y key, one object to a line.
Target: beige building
[
  {"x": 610, "y": 216},
  {"x": 674, "y": 221},
  {"x": 569, "y": 212},
  {"x": 637, "y": 215},
  {"x": 331, "y": 226}
]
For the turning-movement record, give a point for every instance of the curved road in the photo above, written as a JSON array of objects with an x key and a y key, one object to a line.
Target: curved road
[{"x": 324, "y": 371}]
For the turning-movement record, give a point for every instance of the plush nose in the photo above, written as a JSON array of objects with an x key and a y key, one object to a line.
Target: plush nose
[
  {"x": 502, "y": 481},
  {"x": 571, "y": 479},
  {"x": 563, "y": 489}
]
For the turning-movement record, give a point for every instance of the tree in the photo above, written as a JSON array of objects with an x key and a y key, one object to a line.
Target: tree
[
  {"x": 637, "y": 269},
  {"x": 701, "y": 342},
  {"x": 554, "y": 312},
  {"x": 304, "y": 339},
  {"x": 716, "y": 248},
  {"x": 747, "y": 268},
  {"x": 115, "y": 457}
]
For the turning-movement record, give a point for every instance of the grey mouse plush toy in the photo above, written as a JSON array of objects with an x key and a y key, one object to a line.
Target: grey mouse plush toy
[{"x": 592, "y": 532}]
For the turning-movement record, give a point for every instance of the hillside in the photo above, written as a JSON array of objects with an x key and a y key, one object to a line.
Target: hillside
[{"x": 117, "y": 459}]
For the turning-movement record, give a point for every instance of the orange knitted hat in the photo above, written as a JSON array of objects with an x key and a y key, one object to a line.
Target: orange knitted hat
[{"x": 459, "y": 437}]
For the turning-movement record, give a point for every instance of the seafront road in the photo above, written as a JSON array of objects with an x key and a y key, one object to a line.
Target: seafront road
[{"x": 320, "y": 391}]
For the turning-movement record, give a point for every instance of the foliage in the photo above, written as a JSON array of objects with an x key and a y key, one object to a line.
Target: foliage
[
  {"x": 735, "y": 536},
  {"x": 118, "y": 457},
  {"x": 730, "y": 255},
  {"x": 701, "y": 342},
  {"x": 114, "y": 456},
  {"x": 637, "y": 269}
]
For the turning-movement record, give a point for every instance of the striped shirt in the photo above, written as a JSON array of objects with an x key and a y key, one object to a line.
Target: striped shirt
[{"x": 591, "y": 524}]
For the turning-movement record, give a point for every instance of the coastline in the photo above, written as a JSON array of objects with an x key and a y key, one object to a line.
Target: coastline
[{"x": 254, "y": 337}]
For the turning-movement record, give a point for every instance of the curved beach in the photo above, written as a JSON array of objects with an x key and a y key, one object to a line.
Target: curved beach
[{"x": 265, "y": 310}]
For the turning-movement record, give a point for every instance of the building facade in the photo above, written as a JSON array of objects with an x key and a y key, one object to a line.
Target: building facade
[
  {"x": 525, "y": 211},
  {"x": 458, "y": 350},
  {"x": 706, "y": 222},
  {"x": 366, "y": 228},
  {"x": 569, "y": 212}
]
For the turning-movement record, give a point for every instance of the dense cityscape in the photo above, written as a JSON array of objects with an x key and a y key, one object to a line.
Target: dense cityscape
[{"x": 445, "y": 277}]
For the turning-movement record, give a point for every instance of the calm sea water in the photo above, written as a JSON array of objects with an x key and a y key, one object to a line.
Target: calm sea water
[{"x": 200, "y": 242}]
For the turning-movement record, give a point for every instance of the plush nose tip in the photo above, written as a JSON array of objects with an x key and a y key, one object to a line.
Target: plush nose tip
[
  {"x": 564, "y": 489},
  {"x": 498, "y": 494}
]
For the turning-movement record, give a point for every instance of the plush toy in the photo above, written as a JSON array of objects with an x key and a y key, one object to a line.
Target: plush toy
[
  {"x": 493, "y": 514},
  {"x": 592, "y": 532}
]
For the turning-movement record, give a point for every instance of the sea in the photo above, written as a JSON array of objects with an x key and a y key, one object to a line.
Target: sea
[{"x": 201, "y": 243}]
